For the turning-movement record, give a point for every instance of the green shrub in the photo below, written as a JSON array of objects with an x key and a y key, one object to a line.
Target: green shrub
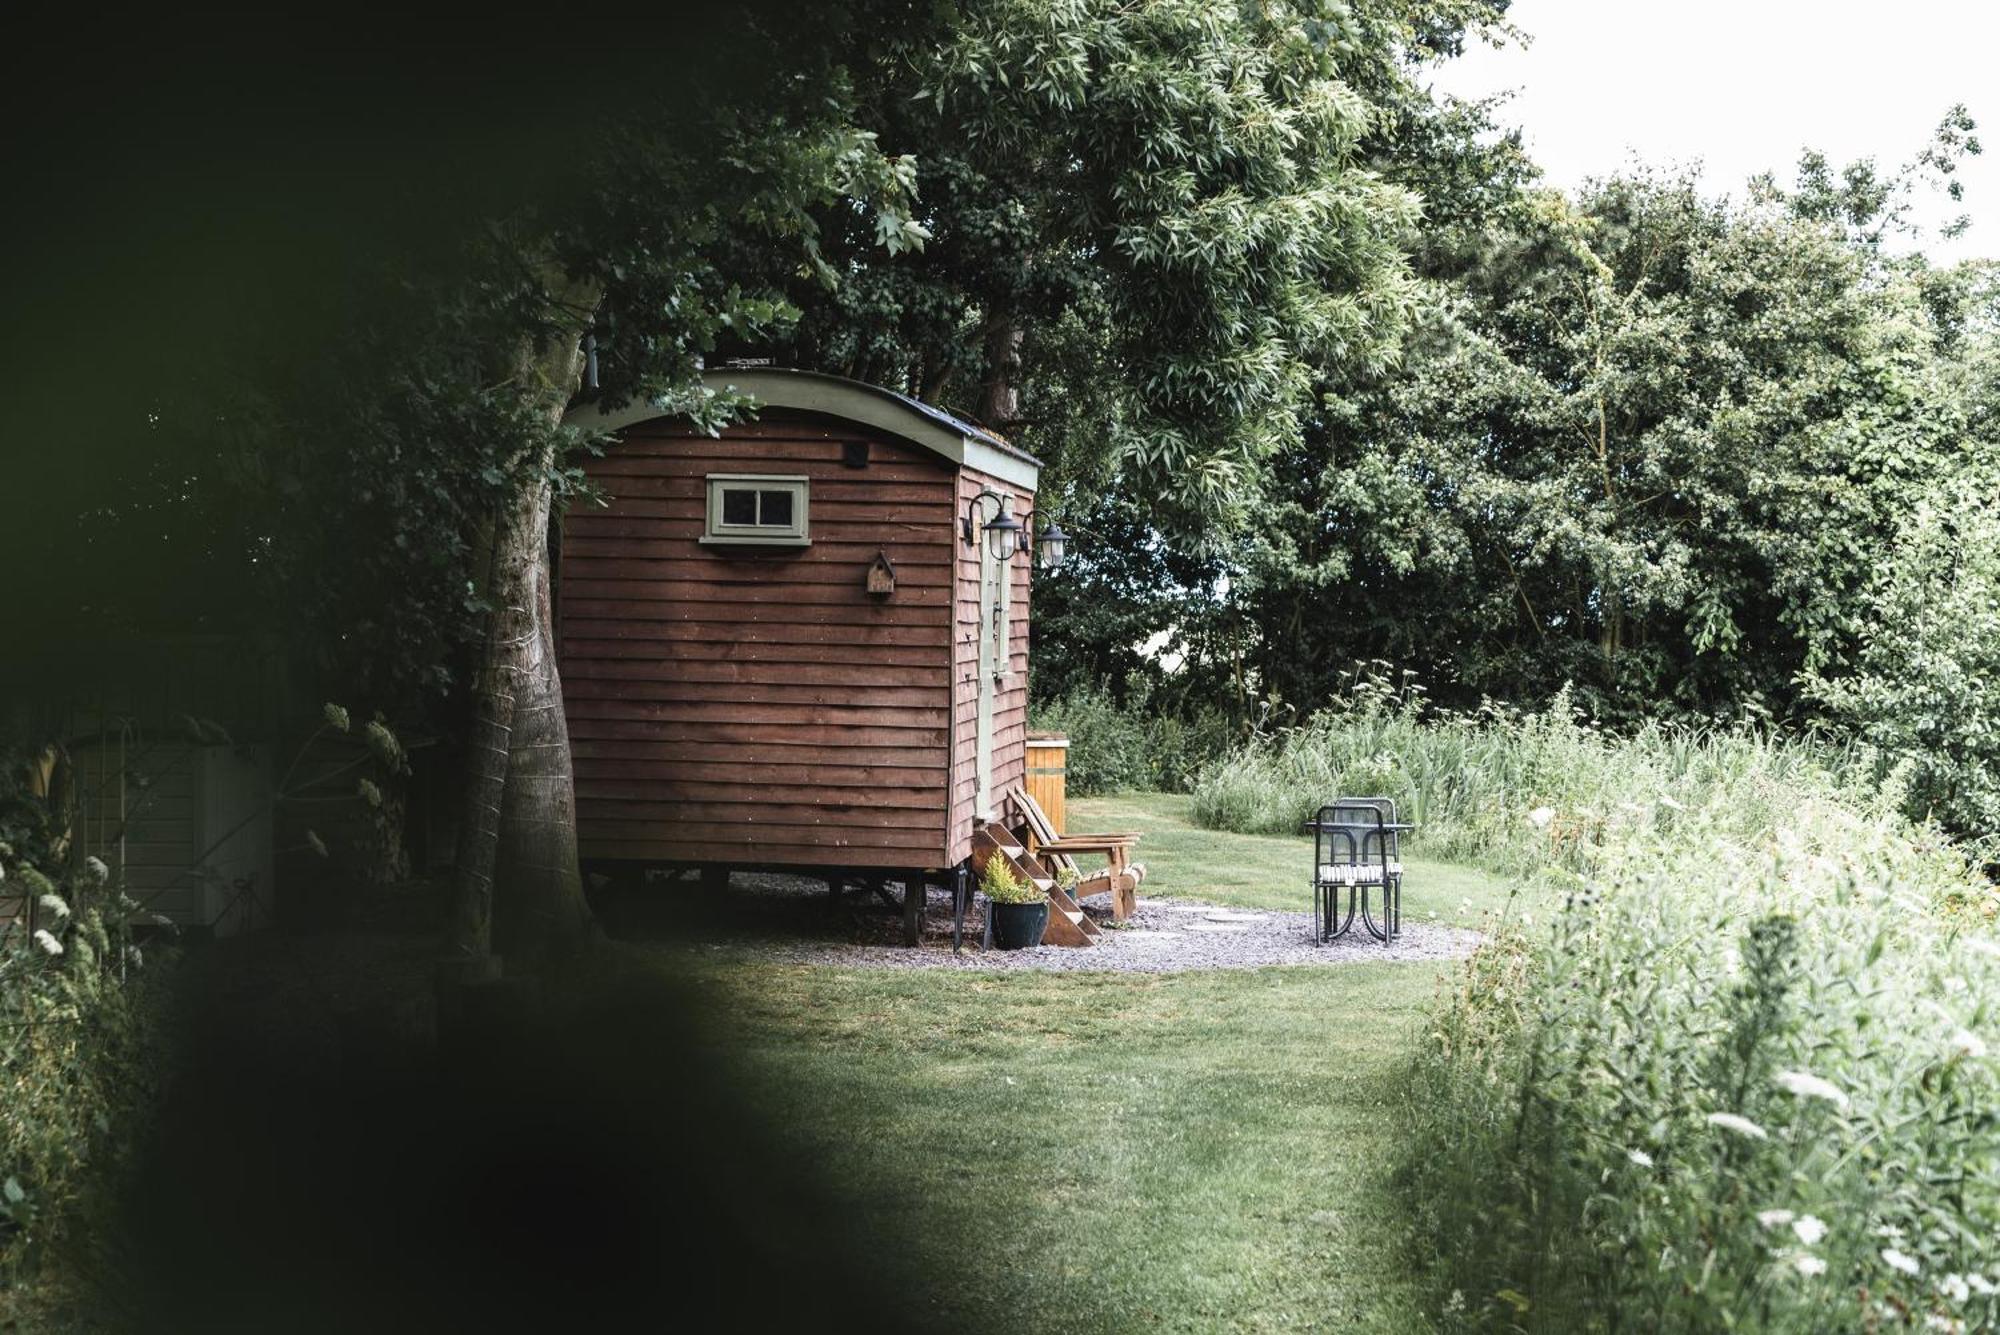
[
  {"x": 1922, "y": 689},
  {"x": 1724, "y": 1066},
  {"x": 77, "y": 1054},
  {"x": 1003, "y": 885},
  {"x": 1125, "y": 748}
]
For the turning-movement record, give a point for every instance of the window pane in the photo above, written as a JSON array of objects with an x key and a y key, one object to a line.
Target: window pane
[
  {"x": 777, "y": 508},
  {"x": 739, "y": 506}
]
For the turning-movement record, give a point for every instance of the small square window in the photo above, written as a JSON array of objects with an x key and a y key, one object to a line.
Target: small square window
[{"x": 754, "y": 509}]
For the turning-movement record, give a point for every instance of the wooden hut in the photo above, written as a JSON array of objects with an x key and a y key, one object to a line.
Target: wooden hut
[{"x": 801, "y": 644}]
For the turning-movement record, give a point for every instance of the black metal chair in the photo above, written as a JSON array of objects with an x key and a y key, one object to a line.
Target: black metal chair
[{"x": 1355, "y": 848}]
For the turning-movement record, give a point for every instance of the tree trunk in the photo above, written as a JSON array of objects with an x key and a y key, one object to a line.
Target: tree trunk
[
  {"x": 517, "y": 859},
  {"x": 541, "y": 907},
  {"x": 1000, "y": 397}
]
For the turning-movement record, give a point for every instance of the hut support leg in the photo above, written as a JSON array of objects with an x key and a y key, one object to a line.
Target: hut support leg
[
  {"x": 913, "y": 908},
  {"x": 960, "y": 893}
]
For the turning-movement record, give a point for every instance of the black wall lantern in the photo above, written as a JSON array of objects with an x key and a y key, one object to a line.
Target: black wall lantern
[
  {"x": 1003, "y": 531},
  {"x": 1051, "y": 547},
  {"x": 1006, "y": 535}
]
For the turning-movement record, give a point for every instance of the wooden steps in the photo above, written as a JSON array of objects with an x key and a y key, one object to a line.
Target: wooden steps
[{"x": 1068, "y": 925}]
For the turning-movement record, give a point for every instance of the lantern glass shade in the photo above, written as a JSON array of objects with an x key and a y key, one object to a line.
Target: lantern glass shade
[
  {"x": 1003, "y": 533},
  {"x": 1052, "y": 547}
]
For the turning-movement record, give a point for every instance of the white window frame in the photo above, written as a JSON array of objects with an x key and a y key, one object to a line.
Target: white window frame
[{"x": 715, "y": 532}]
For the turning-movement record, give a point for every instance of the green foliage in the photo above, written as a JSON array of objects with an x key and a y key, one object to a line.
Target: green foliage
[
  {"x": 1001, "y": 884},
  {"x": 1167, "y": 213},
  {"x": 1755, "y": 1059},
  {"x": 78, "y": 1050},
  {"x": 1921, "y": 692},
  {"x": 1652, "y": 450},
  {"x": 1126, "y": 747},
  {"x": 1739, "y": 1030}
]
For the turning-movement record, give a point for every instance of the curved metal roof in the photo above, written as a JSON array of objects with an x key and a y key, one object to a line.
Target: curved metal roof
[{"x": 921, "y": 424}]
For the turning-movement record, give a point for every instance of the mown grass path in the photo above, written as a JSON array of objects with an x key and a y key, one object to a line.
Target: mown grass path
[{"x": 1182, "y": 1152}]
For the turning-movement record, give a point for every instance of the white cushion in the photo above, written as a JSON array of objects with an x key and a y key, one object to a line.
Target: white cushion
[{"x": 1356, "y": 873}]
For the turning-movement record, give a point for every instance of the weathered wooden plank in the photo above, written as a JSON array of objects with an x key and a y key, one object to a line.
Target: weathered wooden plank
[
  {"x": 892, "y": 613},
  {"x": 832, "y": 486},
  {"x": 820, "y": 462},
  {"x": 828, "y": 676},
  {"x": 784, "y": 735},
  {"x": 683, "y": 522},
  {"x": 861, "y": 713},
  {"x": 677, "y": 751},
  {"x": 746, "y": 633},
  {"x": 643, "y": 539},
  {"x": 732, "y": 651},
  {"x": 861, "y": 695},
  {"x": 795, "y": 820},
  {"x": 745, "y": 835},
  {"x": 827, "y": 786},
  {"x": 698, "y": 765},
  {"x": 829, "y": 515},
  {"x": 849, "y": 593},
  {"x": 705, "y": 569},
  {"x": 765, "y": 854}
]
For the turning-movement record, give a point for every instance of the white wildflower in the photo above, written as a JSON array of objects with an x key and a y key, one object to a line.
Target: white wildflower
[
  {"x": 98, "y": 871},
  {"x": 1809, "y": 1086},
  {"x": 1742, "y": 1126},
  {"x": 1968, "y": 1044},
  {"x": 1955, "y": 1288},
  {"x": 55, "y": 905},
  {"x": 1640, "y": 1157},
  {"x": 384, "y": 744},
  {"x": 135, "y": 957},
  {"x": 1773, "y": 1218},
  {"x": 1889, "y": 1231},
  {"x": 1668, "y": 801},
  {"x": 1541, "y": 816},
  {"x": 1808, "y": 1265},
  {"x": 47, "y": 941},
  {"x": 1898, "y": 1261},
  {"x": 1954, "y": 985},
  {"x": 1810, "y": 1229},
  {"x": 336, "y": 717},
  {"x": 1981, "y": 1285},
  {"x": 1949, "y": 1324}
]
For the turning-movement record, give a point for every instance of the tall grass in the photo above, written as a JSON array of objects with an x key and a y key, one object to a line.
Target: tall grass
[{"x": 1727, "y": 1068}]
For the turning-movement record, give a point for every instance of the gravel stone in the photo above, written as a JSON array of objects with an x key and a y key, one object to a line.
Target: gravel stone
[{"x": 791, "y": 920}]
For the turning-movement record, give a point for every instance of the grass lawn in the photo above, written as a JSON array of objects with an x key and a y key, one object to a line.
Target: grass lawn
[{"x": 1067, "y": 1152}]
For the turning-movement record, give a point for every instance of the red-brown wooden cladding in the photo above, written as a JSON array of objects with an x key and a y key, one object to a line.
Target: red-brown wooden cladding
[
  {"x": 729, "y": 704},
  {"x": 1010, "y": 706}
]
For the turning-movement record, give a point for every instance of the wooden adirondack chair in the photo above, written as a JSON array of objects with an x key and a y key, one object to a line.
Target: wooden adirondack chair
[{"x": 1120, "y": 878}]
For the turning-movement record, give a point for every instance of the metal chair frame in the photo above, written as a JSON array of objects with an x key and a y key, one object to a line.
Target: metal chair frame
[{"x": 1357, "y": 832}]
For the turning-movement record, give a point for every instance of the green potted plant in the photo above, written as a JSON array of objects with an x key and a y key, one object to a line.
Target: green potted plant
[{"x": 1020, "y": 908}]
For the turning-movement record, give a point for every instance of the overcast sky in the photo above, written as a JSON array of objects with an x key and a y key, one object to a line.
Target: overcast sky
[{"x": 1743, "y": 86}]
